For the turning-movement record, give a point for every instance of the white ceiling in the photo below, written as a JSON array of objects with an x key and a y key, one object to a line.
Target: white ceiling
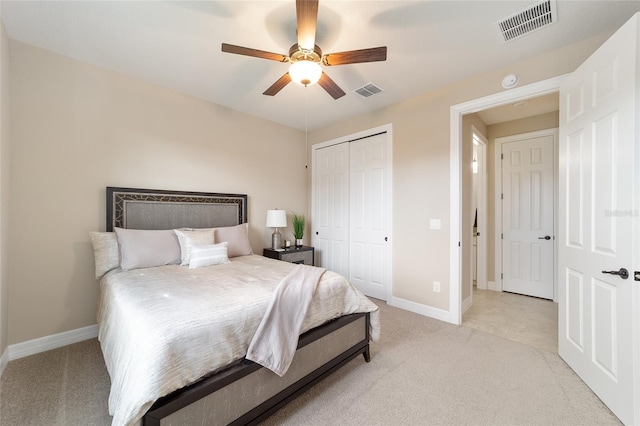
[{"x": 176, "y": 44}]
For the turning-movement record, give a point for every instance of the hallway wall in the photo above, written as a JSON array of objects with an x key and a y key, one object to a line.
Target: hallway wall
[{"x": 467, "y": 193}]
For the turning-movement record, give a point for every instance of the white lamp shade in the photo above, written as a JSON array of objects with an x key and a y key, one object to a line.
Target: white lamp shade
[
  {"x": 305, "y": 72},
  {"x": 276, "y": 218}
]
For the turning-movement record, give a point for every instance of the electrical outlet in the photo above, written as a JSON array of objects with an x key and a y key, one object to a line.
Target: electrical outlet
[{"x": 436, "y": 286}]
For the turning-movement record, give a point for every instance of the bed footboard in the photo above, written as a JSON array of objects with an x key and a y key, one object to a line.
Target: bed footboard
[{"x": 248, "y": 393}]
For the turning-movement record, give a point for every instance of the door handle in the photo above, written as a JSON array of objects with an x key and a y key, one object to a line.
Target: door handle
[
  {"x": 623, "y": 273},
  {"x": 546, "y": 237}
]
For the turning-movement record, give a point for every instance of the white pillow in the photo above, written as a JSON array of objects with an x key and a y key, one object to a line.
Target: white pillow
[
  {"x": 208, "y": 255},
  {"x": 190, "y": 238},
  {"x": 105, "y": 252},
  {"x": 145, "y": 248},
  {"x": 237, "y": 237}
]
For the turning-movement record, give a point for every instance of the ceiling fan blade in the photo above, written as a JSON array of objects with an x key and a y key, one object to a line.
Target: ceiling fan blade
[
  {"x": 278, "y": 85},
  {"x": 330, "y": 86},
  {"x": 307, "y": 17},
  {"x": 239, "y": 50},
  {"x": 374, "y": 54}
]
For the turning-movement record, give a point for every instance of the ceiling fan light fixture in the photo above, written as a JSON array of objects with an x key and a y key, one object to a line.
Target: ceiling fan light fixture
[
  {"x": 305, "y": 57},
  {"x": 305, "y": 72}
]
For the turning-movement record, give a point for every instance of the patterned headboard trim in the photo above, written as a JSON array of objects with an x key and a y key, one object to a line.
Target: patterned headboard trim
[{"x": 120, "y": 200}]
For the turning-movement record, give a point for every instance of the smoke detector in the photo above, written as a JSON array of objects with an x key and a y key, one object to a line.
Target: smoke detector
[
  {"x": 510, "y": 81},
  {"x": 528, "y": 20}
]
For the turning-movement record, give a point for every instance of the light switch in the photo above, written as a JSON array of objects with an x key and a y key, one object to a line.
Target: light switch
[{"x": 434, "y": 223}]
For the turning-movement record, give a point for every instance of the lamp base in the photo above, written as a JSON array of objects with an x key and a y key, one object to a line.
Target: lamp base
[{"x": 276, "y": 240}]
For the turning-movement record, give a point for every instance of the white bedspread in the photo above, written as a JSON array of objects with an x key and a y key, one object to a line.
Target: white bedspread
[{"x": 163, "y": 328}]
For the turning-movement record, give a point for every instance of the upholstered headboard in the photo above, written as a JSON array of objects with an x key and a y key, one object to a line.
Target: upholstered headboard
[{"x": 157, "y": 209}]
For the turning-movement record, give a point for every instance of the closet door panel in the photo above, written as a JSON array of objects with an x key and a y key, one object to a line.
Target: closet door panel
[
  {"x": 369, "y": 220},
  {"x": 332, "y": 208}
]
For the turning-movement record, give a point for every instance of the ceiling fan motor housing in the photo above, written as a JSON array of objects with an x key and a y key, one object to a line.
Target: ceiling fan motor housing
[{"x": 297, "y": 53}]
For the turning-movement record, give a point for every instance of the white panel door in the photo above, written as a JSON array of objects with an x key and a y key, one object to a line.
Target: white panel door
[
  {"x": 331, "y": 217},
  {"x": 369, "y": 215},
  {"x": 599, "y": 228},
  {"x": 527, "y": 216}
]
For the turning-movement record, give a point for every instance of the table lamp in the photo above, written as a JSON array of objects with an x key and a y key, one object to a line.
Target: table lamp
[{"x": 276, "y": 219}]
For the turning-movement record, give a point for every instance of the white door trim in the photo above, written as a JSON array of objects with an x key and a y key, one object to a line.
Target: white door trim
[
  {"x": 457, "y": 111},
  {"x": 388, "y": 128},
  {"x": 498, "y": 205}
]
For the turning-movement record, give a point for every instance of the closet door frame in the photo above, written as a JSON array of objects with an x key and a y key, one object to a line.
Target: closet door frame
[{"x": 387, "y": 128}]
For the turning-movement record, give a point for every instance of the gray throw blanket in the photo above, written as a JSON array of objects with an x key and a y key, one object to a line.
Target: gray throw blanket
[{"x": 276, "y": 339}]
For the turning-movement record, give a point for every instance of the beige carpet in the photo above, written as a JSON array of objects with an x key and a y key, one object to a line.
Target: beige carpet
[{"x": 423, "y": 371}]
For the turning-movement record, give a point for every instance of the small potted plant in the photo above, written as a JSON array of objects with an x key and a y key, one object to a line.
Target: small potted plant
[{"x": 298, "y": 228}]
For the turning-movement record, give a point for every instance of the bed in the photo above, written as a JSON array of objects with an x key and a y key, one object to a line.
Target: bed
[{"x": 174, "y": 336}]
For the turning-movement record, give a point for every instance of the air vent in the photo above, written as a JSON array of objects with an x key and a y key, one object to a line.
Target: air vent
[
  {"x": 368, "y": 90},
  {"x": 528, "y": 20}
]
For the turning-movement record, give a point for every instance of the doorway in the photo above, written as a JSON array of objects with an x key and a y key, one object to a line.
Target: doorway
[
  {"x": 457, "y": 111},
  {"x": 530, "y": 163}
]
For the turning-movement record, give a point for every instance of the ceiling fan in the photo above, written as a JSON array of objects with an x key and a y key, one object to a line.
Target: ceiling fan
[{"x": 306, "y": 57}]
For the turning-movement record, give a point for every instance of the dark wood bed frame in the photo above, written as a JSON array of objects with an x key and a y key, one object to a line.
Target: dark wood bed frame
[
  {"x": 236, "y": 205},
  {"x": 183, "y": 397}
]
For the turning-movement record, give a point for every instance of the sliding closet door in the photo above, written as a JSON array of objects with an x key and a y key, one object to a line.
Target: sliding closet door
[
  {"x": 369, "y": 215},
  {"x": 352, "y": 211},
  {"x": 331, "y": 216}
]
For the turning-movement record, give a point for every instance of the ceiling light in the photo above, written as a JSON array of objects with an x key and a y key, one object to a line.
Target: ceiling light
[{"x": 305, "y": 72}]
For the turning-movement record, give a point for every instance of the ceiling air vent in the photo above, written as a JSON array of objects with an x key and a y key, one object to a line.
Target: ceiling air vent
[
  {"x": 368, "y": 90},
  {"x": 528, "y": 20}
]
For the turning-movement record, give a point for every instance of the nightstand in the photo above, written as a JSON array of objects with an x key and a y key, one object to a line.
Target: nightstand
[{"x": 302, "y": 254}]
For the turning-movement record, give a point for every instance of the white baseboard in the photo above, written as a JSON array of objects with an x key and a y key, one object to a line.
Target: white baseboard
[
  {"x": 4, "y": 360},
  {"x": 491, "y": 285},
  {"x": 466, "y": 304},
  {"x": 46, "y": 343},
  {"x": 418, "y": 308}
]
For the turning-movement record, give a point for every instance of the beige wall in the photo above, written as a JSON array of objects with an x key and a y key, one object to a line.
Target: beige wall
[
  {"x": 531, "y": 124},
  {"x": 76, "y": 129},
  {"x": 421, "y": 160},
  {"x": 4, "y": 187}
]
